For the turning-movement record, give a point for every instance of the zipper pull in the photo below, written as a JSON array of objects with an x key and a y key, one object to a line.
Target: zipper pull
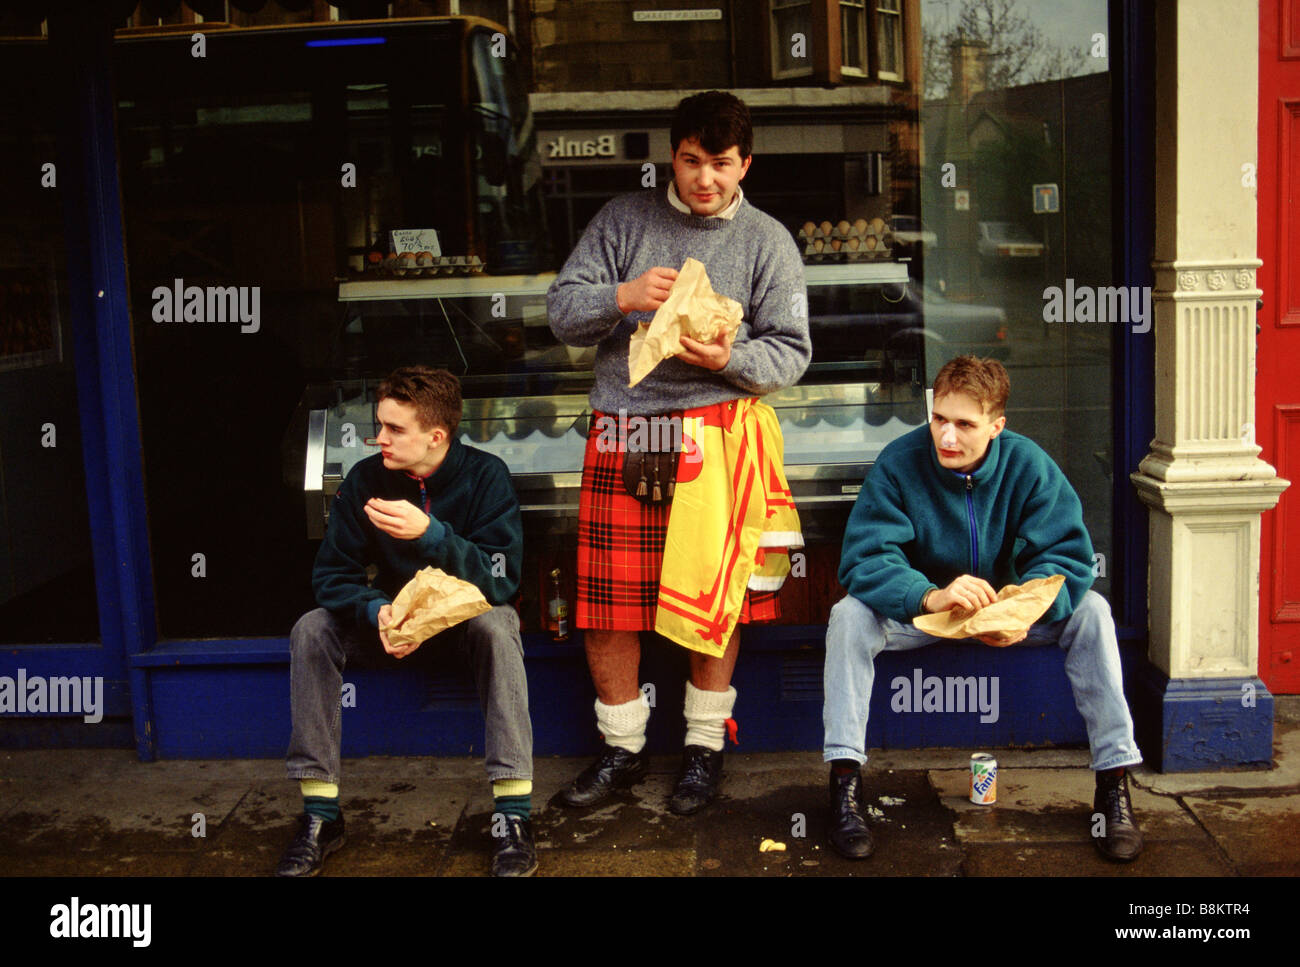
[{"x": 969, "y": 483}]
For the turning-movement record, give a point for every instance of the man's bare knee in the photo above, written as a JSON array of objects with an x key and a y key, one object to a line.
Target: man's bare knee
[{"x": 611, "y": 642}]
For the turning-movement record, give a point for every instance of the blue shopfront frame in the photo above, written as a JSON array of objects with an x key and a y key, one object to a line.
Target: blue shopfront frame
[{"x": 229, "y": 698}]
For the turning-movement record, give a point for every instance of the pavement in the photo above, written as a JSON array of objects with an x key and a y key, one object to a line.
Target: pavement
[{"x": 104, "y": 813}]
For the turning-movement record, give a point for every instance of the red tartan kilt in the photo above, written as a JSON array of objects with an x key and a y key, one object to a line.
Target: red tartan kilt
[{"x": 621, "y": 550}]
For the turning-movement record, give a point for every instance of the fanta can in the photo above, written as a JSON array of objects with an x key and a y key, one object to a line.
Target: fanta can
[{"x": 983, "y": 779}]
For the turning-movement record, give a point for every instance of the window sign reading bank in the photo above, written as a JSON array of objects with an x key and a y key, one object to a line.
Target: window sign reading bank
[
  {"x": 602, "y": 147},
  {"x": 645, "y": 16},
  {"x": 562, "y": 146}
]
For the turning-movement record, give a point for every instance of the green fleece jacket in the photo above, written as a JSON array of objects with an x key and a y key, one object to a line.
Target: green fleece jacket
[
  {"x": 474, "y": 533},
  {"x": 917, "y": 525}
]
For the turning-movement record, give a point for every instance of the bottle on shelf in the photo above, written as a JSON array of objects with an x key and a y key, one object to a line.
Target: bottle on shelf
[{"x": 557, "y": 610}]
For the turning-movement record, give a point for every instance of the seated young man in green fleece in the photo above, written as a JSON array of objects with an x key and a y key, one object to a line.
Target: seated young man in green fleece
[
  {"x": 425, "y": 500},
  {"x": 947, "y": 514}
]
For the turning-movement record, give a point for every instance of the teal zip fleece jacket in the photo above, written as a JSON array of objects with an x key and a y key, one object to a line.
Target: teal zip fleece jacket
[
  {"x": 473, "y": 516},
  {"x": 917, "y": 525}
]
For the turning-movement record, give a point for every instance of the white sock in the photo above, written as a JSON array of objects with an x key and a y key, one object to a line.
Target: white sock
[
  {"x": 706, "y": 716},
  {"x": 623, "y": 726}
]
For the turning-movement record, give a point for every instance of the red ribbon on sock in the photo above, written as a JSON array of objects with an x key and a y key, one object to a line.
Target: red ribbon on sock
[{"x": 733, "y": 731}]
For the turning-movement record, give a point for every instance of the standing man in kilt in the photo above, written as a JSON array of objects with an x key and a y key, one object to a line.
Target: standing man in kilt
[{"x": 619, "y": 273}]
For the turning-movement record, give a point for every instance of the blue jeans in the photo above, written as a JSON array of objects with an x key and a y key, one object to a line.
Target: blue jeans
[
  {"x": 857, "y": 634},
  {"x": 320, "y": 645}
]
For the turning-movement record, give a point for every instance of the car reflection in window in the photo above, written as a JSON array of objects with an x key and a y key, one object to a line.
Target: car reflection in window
[
  {"x": 908, "y": 329},
  {"x": 1002, "y": 241}
]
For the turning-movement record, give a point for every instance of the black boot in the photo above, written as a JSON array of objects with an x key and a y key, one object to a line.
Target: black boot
[
  {"x": 697, "y": 785},
  {"x": 615, "y": 769},
  {"x": 316, "y": 839},
  {"x": 515, "y": 853},
  {"x": 849, "y": 833},
  {"x": 1117, "y": 835}
]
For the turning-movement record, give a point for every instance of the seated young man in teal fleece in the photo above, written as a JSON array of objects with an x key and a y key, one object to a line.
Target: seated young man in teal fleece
[
  {"x": 947, "y": 515},
  {"x": 425, "y": 500}
]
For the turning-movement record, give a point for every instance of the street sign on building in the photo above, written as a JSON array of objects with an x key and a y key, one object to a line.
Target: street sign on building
[
  {"x": 663, "y": 16},
  {"x": 1047, "y": 199}
]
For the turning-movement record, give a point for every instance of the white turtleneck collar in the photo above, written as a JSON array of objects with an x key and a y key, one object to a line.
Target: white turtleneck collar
[{"x": 728, "y": 213}]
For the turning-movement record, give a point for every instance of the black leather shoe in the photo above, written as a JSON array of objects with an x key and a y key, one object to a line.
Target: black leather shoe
[
  {"x": 697, "y": 785},
  {"x": 615, "y": 769},
  {"x": 849, "y": 835},
  {"x": 515, "y": 853},
  {"x": 316, "y": 839},
  {"x": 1117, "y": 836}
]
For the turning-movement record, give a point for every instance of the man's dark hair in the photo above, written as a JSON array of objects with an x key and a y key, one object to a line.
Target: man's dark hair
[
  {"x": 718, "y": 119},
  {"x": 435, "y": 394},
  {"x": 983, "y": 380}
]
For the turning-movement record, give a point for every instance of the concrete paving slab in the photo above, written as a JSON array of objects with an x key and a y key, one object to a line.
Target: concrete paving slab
[
  {"x": 1260, "y": 834},
  {"x": 142, "y": 817},
  {"x": 104, "y": 863},
  {"x": 103, "y": 813},
  {"x": 937, "y": 758},
  {"x": 624, "y": 837},
  {"x": 88, "y": 766},
  {"x": 636, "y": 818},
  {"x": 395, "y": 827},
  {"x": 1285, "y": 774},
  {"x": 1158, "y": 859},
  {"x": 1049, "y": 805},
  {"x": 249, "y": 841},
  {"x": 584, "y": 862},
  {"x": 12, "y": 792},
  {"x": 913, "y": 833}
]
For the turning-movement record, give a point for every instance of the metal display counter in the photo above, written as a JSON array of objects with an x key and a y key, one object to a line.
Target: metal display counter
[{"x": 526, "y": 402}]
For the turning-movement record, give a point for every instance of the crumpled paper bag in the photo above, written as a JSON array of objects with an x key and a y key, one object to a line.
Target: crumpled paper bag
[
  {"x": 1018, "y": 606},
  {"x": 431, "y": 602},
  {"x": 692, "y": 309}
]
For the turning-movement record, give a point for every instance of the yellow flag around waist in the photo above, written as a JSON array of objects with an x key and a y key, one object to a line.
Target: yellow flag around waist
[{"x": 733, "y": 520}]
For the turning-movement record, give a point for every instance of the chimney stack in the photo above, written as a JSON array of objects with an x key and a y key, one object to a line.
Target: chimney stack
[{"x": 969, "y": 60}]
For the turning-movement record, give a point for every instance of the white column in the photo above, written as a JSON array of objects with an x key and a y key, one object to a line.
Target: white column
[{"x": 1203, "y": 480}]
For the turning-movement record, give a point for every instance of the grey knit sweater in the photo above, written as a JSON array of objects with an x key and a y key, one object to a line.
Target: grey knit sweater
[{"x": 751, "y": 257}]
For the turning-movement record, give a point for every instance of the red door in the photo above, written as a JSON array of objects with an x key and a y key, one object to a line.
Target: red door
[{"x": 1277, "y": 401}]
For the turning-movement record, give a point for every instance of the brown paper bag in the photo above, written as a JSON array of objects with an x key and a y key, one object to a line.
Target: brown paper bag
[
  {"x": 1018, "y": 606},
  {"x": 431, "y": 602},
  {"x": 693, "y": 310}
]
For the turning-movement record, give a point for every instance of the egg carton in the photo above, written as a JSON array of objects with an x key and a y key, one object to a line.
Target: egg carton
[
  {"x": 846, "y": 241},
  {"x": 415, "y": 264}
]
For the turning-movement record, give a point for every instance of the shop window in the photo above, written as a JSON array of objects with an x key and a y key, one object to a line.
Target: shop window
[
  {"x": 853, "y": 37},
  {"x": 355, "y": 201},
  {"x": 47, "y": 576},
  {"x": 889, "y": 32},
  {"x": 792, "y": 38},
  {"x": 796, "y": 33}
]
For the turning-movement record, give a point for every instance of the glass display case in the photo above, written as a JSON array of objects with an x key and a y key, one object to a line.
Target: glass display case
[{"x": 526, "y": 393}]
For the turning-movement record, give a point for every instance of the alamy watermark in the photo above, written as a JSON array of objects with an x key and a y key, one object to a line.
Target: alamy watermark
[
  {"x": 76, "y": 920},
  {"x": 642, "y": 434},
  {"x": 951, "y": 694},
  {"x": 214, "y": 303},
  {"x": 1126, "y": 305},
  {"x": 29, "y": 694}
]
